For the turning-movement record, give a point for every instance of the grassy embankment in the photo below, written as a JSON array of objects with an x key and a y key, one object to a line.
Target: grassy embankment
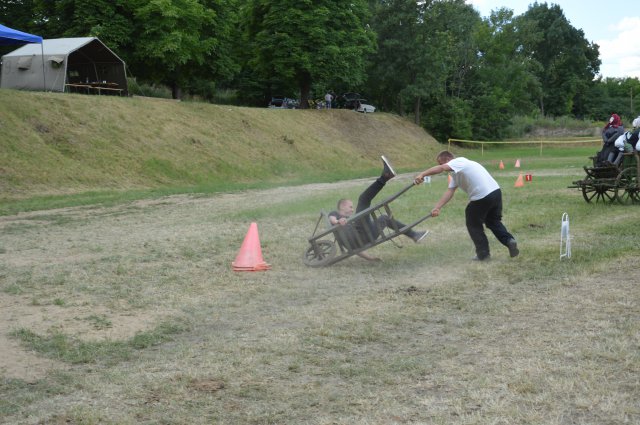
[{"x": 97, "y": 149}]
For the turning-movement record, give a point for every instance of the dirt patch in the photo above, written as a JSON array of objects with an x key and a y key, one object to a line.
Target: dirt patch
[
  {"x": 81, "y": 320},
  {"x": 84, "y": 318}
]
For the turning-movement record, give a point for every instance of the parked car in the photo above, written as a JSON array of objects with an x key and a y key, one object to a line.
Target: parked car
[
  {"x": 355, "y": 102},
  {"x": 282, "y": 102},
  {"x": 366, "y": 108},
  {"x": 348, "y": 100}
]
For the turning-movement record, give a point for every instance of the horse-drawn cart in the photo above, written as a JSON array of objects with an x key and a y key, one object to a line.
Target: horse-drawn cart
[{"x": 609, "y": 183}]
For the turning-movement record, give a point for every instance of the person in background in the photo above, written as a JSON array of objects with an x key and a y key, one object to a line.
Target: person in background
[
  {"x": 610, "y": 133},
  {"x": 612, "y": 129},
  {"x": 328, "y": 98},
  {"x": 627, "y": 142},
  {"x": 485, "y": 201},
  {"x": 366, "y": 230}
]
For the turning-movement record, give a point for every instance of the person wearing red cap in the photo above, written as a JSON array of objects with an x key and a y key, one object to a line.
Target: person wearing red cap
[{"x": 610, "y": 133}]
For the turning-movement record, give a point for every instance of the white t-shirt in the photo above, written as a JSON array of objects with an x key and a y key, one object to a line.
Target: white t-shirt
[{"x": 471, "y": 177}]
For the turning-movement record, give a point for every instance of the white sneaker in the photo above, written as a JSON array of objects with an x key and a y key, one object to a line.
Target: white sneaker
[
  {"x": 419, "y": 236},
  {"x": 387, "y": 171}
]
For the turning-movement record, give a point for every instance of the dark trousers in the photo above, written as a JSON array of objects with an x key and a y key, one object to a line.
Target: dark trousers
[
  {"x": 365, "y": 230},
  {"x": 366, "y": 197},
  {"x": 373, "y": 228},
  {"x": 486, "y": 211}
]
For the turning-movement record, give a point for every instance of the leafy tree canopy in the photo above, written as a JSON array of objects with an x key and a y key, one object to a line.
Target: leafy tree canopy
[
  {"x": 568, "y": 63},
  {"x": 305, "y": 42}
]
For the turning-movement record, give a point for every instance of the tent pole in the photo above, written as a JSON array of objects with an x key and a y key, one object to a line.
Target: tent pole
[{"x": 44, "y": 77}]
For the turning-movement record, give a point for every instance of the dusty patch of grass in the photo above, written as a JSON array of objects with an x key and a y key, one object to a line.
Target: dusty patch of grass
[{"x": 426, "y": 336}]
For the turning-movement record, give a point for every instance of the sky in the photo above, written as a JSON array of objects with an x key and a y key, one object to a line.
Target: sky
[{"x": 614, "y": 26}]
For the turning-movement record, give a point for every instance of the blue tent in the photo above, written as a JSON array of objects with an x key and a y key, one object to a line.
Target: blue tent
[{"x": 11, "y": 36}]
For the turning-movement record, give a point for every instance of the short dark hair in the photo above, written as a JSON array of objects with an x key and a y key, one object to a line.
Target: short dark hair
[{"x": 445, "y": 155}]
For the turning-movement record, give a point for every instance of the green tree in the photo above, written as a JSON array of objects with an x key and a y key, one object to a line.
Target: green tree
[
  {"x": 425, "y": 55},
  {"x": 180, "y": 40},
  {"x": 504, "y": 83},
  {"x": 18, "y": 14},
  {"x": 450, "y": 56},
  {"x": 302, "y": 42},
  {"x": 613, "y": 95},
  {"x": 395, "y": 64},
  {"x": 567, "y": 62},
  {"x": 110, "y": 20}
]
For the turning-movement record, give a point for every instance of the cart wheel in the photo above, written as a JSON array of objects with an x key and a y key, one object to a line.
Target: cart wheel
[
  {"x": 319, "y": 253},
  {"x": 627, "y": 190},
  {"x": 599, "y": 191}
]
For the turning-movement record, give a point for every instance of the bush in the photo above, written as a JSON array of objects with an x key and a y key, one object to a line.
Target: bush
[{"x": 148, "y": 90}]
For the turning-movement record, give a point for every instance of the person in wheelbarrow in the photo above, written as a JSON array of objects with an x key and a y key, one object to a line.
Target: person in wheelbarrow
[
  {"x": 485, "y": 201},
  {"x": 367, "y": 229}
]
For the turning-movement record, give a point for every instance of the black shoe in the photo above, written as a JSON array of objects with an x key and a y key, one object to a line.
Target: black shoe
[
  {"x": 485, "y": 258},
  {"x": 387, "y": 171},
  {"x": 513, "y": 248},
  {"x": 418, "y": 236}
]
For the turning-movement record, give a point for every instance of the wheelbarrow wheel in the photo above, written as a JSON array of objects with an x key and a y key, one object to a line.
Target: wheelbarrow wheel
[{"x": 319, "y": 253}]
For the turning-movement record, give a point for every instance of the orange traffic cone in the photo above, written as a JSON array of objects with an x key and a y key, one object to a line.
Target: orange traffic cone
[
  {"x": 501, "y": 165},
  {"x": 249, "y": 258},
  {"x": 517, "y": 163},
  {"x": 519, "y": 182}
]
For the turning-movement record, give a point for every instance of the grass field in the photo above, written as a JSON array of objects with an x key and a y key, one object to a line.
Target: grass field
[{"x": 129, "y": 313}]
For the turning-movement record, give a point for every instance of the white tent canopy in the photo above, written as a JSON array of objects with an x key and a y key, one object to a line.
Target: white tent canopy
[{"x": 64, "y": 62}]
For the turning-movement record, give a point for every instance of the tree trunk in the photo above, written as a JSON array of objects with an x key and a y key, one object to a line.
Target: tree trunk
[
  {"x": 176, "y": 91},
  {"x": 305, "y": 88},
  {"x": 399, "y": 106},
  {"x": 416, "y": 110}
]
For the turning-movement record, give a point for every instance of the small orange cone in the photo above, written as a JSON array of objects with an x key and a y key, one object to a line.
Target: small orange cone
[
  {"x": 519, "y": 182},
  {"x": 501, "y": 165},
  {"x": 517, "y": 163},
  {"x": 249, "y": 258},
  {"x": 448, "y": 178}
]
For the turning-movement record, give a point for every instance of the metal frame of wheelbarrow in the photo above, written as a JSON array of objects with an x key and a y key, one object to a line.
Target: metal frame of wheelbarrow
[{"x": 324, "y": 245}]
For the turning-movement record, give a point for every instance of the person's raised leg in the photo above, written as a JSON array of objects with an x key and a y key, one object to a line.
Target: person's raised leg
[{"x": 366, "y": 197}]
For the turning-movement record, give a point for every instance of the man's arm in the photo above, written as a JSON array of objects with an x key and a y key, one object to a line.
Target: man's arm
[
  {"x": 437, "y": 169},
  {"x": 446, "y": 197},
  {"x": 335, "y": 220}
]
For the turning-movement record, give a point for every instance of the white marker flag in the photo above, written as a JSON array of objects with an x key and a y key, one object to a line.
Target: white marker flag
[{"x": 565, "y": 238}]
